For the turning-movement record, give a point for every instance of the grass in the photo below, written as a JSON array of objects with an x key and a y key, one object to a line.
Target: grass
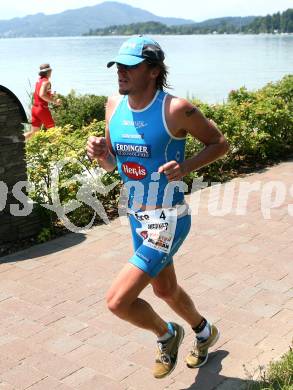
[{"x": 279, "y": 375}]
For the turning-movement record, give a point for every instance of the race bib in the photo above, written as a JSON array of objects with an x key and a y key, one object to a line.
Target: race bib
[{"x": 158, "y": 228}]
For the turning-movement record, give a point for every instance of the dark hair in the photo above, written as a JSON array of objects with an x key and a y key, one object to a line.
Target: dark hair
[
  {"x": 44, "y": 70},
  {"x": 161, "y": 81}
]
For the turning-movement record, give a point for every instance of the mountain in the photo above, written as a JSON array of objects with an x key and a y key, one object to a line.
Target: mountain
[
  {"x": 269, "y": 24},
  {"x": 235, "y": 21},
  {"x": 78, "y": 21},
  {"x": 227, "y": 25}
]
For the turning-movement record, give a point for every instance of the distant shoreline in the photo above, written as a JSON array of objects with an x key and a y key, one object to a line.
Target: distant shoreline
[{"x": 129, "y": 35}]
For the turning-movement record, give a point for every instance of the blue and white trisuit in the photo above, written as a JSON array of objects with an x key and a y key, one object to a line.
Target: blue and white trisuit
[{"x": 142, "y": 143}]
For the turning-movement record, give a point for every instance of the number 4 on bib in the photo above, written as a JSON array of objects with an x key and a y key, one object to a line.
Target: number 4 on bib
[{"x": 163, "y": 216}]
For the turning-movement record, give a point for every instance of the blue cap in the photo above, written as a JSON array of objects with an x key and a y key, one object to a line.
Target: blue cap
[{"x": 137, "y": 49}]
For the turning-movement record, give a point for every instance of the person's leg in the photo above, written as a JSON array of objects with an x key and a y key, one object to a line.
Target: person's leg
[
  {"x": 33, "y": 130},
  {"x": 122, "y": 300},
  {"x": 165, "y": 286},
  {"x": 36, "y": 123}
]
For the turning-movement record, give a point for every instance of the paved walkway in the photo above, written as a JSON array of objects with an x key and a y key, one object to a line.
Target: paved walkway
[{"x": 56, "y": 333}]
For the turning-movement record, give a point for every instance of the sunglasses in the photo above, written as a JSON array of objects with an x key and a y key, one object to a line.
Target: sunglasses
[{"x": 127, "y": 67}]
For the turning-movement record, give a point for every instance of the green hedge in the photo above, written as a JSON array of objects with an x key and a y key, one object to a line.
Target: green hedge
[
  {"x": 79, "y": 110},
  {"x": 258, "y": 126},
  {"x": 62, "y": 145}
]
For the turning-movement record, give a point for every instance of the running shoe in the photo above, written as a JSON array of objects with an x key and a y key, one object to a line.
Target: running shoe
[
  {"x": 166, "y": 358},
  {"x": 198, "y": 356}
]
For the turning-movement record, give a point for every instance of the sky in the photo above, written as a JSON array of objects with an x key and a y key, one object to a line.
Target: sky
[{"x": 188, "y": 9}]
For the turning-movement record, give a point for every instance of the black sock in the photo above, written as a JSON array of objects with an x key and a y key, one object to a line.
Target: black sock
[{"x": 200, "y": 327}]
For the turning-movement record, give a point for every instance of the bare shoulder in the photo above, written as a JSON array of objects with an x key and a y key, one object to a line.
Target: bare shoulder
[
  {"x": 46, "y": 84},
  {"x": 180, "y": 106},
  {"x": 111, "y": 104},
  {"x": 179, "y": 111},
  {"x": 113, "y": 100}
]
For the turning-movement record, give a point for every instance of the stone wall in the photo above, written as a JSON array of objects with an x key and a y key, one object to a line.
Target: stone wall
[{"x": 13, "y": 170}]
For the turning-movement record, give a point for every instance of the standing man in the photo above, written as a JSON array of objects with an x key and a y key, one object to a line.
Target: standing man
[
  {"x": 145, "y": 137},
  {"x": 41, "y": 114}
]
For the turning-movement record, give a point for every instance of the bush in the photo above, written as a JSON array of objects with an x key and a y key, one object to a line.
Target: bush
[
  {"x": 58, "y": 168},
  {"x": 258, "y": 126},
  {"x": 279, "y": 375},
  {"x": 79, "y": 110}
]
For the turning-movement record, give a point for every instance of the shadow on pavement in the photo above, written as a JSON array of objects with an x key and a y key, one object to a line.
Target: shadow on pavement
[
  {"x": 53, "y": 246},
  {"x": 209, "y": 378}
]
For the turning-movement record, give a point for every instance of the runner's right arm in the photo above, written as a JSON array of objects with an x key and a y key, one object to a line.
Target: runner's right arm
[{"x": 100, "y": 148}]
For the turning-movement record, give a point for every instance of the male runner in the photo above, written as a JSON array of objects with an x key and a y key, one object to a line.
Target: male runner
[{"x": 145, "y": 137}]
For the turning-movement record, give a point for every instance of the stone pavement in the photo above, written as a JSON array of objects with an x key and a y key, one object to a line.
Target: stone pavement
[{"x": 55, "y": 330}]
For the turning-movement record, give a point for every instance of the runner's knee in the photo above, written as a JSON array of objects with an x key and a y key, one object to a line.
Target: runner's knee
[
  {"x": 166, "y": 292},
  {"x": 116, "y": 304}
]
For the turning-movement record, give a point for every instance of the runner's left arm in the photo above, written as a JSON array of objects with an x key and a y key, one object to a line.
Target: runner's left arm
[{"x": 185, "y": 118}]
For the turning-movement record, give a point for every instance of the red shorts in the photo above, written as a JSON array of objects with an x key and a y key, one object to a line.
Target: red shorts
[{"x": 42, "y": 116}]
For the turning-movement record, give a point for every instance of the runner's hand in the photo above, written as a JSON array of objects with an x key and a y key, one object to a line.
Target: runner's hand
[
  {"x": 172, "y": 170},
  {"x": 97, "y": 148}
]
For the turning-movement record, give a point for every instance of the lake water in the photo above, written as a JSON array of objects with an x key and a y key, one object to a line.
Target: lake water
[{"x": 202, "y": 66}]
